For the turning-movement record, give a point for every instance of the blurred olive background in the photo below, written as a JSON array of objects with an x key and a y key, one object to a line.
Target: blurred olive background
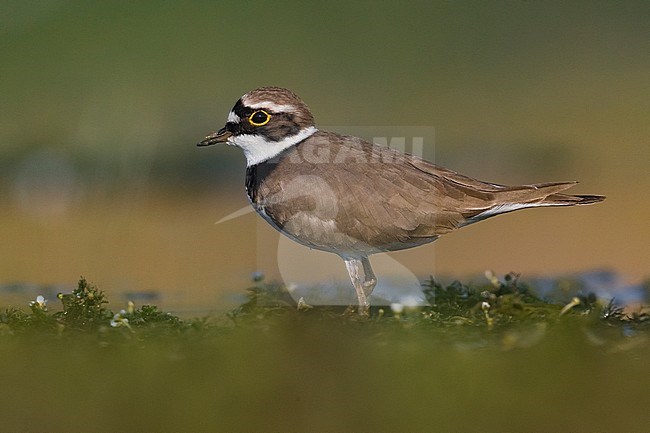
[{"x": 102, "y": 103}]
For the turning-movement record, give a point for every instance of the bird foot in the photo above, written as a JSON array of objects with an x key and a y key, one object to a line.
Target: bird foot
[{"x": 362, "y": 311}]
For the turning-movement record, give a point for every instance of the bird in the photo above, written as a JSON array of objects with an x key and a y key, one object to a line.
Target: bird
[{"x": 348, "y": 196}]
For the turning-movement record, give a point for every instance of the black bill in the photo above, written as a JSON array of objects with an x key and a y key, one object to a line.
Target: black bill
[{"x": 221, "y": 136}]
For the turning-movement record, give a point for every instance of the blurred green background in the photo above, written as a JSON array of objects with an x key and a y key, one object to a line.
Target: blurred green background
[{"x": 102, "y": 103}]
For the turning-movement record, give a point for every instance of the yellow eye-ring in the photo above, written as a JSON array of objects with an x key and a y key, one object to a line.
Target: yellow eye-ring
[{"x": 259, "y": 118}]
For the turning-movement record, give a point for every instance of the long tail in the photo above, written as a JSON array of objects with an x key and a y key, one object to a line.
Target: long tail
[
  {"x": 549, "y": 192},
  {"x": 538, "y": 195},
  {"x": 571, "y": 200}
]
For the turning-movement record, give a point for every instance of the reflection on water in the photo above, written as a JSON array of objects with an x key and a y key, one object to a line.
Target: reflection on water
[{"x": 604, "y": 284}]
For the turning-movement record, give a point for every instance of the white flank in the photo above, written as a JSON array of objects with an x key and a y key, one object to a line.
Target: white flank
[
  {"x": 258, "y": 149},
  {"x": 506, "y": 207},
  {"x": 233, "y": 118}
]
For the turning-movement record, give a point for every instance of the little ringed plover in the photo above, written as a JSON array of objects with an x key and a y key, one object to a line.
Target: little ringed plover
[{"x": 350, "y": 197}]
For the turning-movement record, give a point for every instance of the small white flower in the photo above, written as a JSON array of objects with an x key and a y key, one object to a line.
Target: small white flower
[
  {"x": 40, "y": 303},
  {"x": 489, "y": 320},
  {"x": 302, "y": 305},
  {"x": 119, "y": 320}
]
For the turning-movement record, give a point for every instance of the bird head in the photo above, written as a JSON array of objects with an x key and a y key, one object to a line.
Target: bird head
[{"x": 264, "y": 122}]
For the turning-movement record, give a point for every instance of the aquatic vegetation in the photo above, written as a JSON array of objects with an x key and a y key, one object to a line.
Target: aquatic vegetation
[{"x": 494, "y": 305}]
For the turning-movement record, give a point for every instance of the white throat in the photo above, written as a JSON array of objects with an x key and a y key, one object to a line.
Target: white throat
[{"x": 258, "y": 149}]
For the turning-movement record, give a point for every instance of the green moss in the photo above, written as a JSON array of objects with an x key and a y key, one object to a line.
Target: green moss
[{"x": 496, "y": 305}]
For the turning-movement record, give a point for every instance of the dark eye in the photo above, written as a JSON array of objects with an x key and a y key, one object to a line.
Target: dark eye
[{"x": 259, "y": 118}]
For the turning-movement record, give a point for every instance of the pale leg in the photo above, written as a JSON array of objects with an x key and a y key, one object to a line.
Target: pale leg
[
  {"x": 362, "y": 286},
  {"x": 370, "y": 281}
]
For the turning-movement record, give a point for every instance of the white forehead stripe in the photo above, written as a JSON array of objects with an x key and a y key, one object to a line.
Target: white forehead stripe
[
  {"x": 258, "y": 149},
  {"x": 271, "y": 106},
  {"x": 233, "y": 118}
]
